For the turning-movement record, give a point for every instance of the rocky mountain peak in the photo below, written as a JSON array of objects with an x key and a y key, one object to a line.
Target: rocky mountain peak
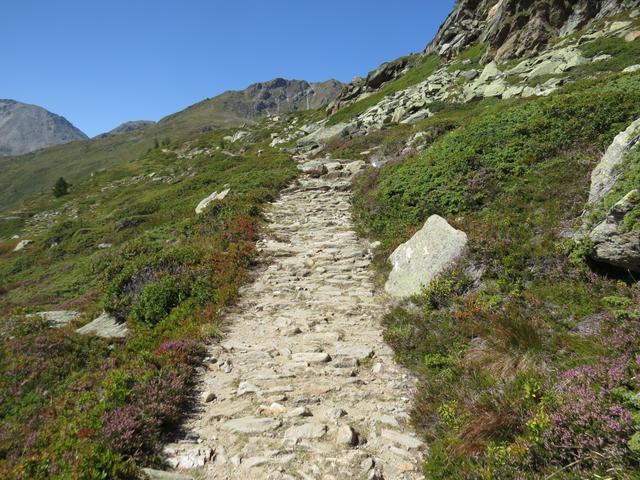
[
  {"x": 517, "y": 28},
  {"x": 26, "y": 128},
  {"x": 281, "y": 95}
]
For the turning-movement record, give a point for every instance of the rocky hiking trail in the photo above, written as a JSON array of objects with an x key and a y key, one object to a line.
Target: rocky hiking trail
[{"x": 303, "y": 386}]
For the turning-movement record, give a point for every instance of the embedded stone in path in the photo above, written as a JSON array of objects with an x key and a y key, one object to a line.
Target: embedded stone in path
[
  {"x": 347, "y": 436},
  {"x": 308, "y": 431},
  {"x": 252, "y": 425},
  {"x": 357, "y": 352},
  {"x": 151, "y": 474},
  {"x": 402, "y": 439},
  {"x": 311, "y": 357}
]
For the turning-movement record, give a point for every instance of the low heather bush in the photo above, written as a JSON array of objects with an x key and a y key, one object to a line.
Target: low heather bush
[{"x": 588, "y": 425}]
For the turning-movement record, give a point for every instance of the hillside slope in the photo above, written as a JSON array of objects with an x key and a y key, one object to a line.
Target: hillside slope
[
  {"x": 26, "y": 128},
  {"x": 127, "y": 127},
  {"x": 499, "y": 29}
]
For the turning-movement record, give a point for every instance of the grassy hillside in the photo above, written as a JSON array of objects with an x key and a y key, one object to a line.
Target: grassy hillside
[
  {"x": 509, "y": 389},
  {"x": 35, "y": 173},
  {"x": 85, "y": 407}
]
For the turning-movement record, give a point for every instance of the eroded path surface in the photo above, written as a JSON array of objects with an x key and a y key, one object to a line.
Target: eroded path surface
[{"x": 304, "y": 385}]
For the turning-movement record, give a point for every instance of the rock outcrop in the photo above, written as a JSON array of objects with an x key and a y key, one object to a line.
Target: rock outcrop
[
  {"x": 360, "y": 87},
  {"x": 616, "y": 239},
  {"x": 281, "y": 96},
  {"x": 615, "y": 242},
  {"x": 517, "y": 28},
  {"x": 26, "y": 128},
  {"x": 424, "y": 256},
  {"x": 606, "y": 172},
  {"x": 538, "y": 75}
]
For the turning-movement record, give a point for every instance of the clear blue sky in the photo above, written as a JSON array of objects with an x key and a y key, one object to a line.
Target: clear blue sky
[{"x": 100, "y": 63}]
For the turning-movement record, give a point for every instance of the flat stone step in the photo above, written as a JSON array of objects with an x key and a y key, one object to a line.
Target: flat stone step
[
  {"x": 311, "y": 357},
  {"x": 308, "y": 431},
  {"x": 402, "y": 439},
  {"x": 252, "y": 425}
]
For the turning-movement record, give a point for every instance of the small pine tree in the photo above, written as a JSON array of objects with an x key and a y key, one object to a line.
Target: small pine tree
[
  {"x": 60, "y": 188},
  {"x": 156, "y": 144}
]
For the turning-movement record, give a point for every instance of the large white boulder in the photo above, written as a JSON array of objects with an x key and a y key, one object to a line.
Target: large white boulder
[
  {"x": 427, "y": 254},
  {"x": 489, "y": 73},
  {"x": 22, "y": 245},
  {"x": 105, "y": 326}
]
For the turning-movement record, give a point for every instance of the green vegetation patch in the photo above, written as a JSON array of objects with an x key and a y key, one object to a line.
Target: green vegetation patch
[
  {"x": 469, "y": 59},
  {"x": 623, "y": 54},
  {"x": 508, "y": 139}
]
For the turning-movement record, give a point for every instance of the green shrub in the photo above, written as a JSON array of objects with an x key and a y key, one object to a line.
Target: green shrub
[
  {"x": 157, "y": 299},
  {"x": 60, "y": 188},
  {"x": 443, "y": 289}
]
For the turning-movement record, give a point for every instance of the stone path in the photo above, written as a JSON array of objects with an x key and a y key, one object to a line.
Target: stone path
[{"x": 303, "y": 385}]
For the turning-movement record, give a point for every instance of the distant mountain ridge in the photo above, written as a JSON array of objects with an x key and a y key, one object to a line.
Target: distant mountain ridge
[
  {"x": 127, "y": 127},
  {"x": 257, "y": 100},
  {"x": 26, "y": 128}
]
